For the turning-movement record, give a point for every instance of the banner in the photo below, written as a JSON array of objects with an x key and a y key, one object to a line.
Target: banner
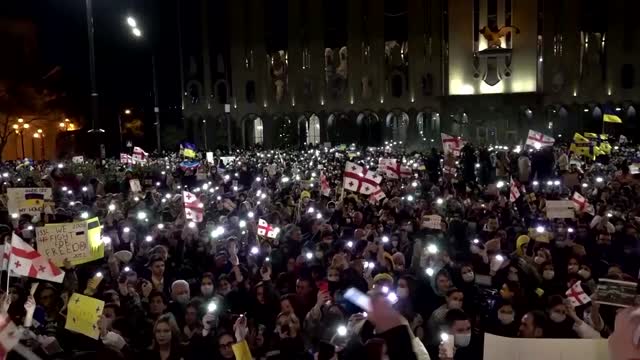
[
  {"x": 502, "y": 348},
  {"x": 28, "y": 200},
  {"x": 432, "y": 222},
  {"x": 79, "y": 242},
  {"x": 227, "y": 159},
  {"x": 560, "y": 209},
  {"x": 83, "y": 313}
]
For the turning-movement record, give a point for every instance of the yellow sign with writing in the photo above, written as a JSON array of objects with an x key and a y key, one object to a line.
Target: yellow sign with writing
[
  {"x": 79, "y": 242},
  {"x": 83, "y": 313}
]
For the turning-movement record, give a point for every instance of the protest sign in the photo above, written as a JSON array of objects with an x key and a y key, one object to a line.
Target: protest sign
[
  {"x": 560, "y": 209},
  {"x": 227, "y": 159},
  {"x": 77, "y": 159},
  {"x": 502, "y": 348},
  {"x": 432, "y": 221},
  {"x": 79, "y": 242},
  {"x": 209, "y": 155},
  {"x": 83, "y": 313},
  {"x": 30, "y": 201},
  {"x": 135, "y": 185}
]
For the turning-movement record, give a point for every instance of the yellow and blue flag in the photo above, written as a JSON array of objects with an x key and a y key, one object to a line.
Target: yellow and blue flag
[
  {"x": 188, "y": 150},
  {"x": 608, "y": 115},
  {"x": 579, "y": 139}
]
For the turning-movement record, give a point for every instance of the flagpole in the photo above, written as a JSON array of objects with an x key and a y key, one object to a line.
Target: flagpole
[{"x": 9, "y": 262}]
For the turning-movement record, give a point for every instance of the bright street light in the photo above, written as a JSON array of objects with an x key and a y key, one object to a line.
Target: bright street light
[
  {"x": 136, "y": 32},
  {"x": 132, "y": 22}
]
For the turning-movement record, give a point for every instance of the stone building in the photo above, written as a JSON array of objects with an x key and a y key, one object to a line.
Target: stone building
[{"x": 366, "y": 71}]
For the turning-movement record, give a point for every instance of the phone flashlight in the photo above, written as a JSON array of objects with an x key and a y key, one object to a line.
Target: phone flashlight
[
  {"x": 429, "y": 271},
  {"x": 432, "y": 249},
  {"x": 447, "y": 344},
  {"x": 385, "y": 239},
  {"x": 309, "y": 255},
  {"x": 211, "y": 307},
  {"x": 342, "y": 330}
]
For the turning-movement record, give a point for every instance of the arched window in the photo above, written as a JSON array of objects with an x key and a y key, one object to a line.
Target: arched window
[
  {"x": 398, "y": 125},
  {"x": 313, "y": 130},
  {"x": 258, "y": 131}
]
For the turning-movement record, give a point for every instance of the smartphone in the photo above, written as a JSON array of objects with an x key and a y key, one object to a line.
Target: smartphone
[
  {"x": 358, "y": 298},
  {"x": 323, "y": 285}
]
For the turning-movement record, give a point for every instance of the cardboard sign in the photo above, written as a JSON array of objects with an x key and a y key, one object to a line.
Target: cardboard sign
[
  {"x": 31, "y": 201},
  {"x": 78, "y": 242},
  {"x": 502, "y": 348},
  {"x": 135, "y": 185},
  {"x": 77, "y": 159},
  {"x": 432, "y": 222},
  {"x": 227, "y": 159},
  {"x": 83, "y": 313},
  {"x": 560, "y": 209},
  {"x": 209, "y": 157}
]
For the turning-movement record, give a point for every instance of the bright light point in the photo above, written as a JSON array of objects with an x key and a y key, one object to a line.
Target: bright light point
[
  {"x": 476, "y": 241},
  {"x": 64, "y": 188},
  {"x": 439, "y": 201},
  {"x": 112, "y": 207},
  {"x": 444, "y": 337},
  {"x": 540, "y": 229},
  {"x": 127, "y": 269},
  {"x": 132, "y": 22},
  {"x": 212, "y": 307},
  {"x": 242, "y": 223},
  {"x": 318, "y": 216},
  {"x": 161, "y": 226},
  {"x": 167, "y": 196},
  {"x": 570, "y": 230},
  {"x": 609, "y": 215},
  {"x": 549, "y": 183},
  {"x": 136, "y": 32},
  {"x": 126, "y": 230},
  {"x": 227, "y": 177},
  {"x": 148, "y": 238},
  {"x": 255, "y": 250},
  {"x": 432, "y": 249},
  {"x": 500, "y": 184},
  {"x": 499, "y": 257},
  {"x": 191, "y": 225},
  {"x": 142, "y": 215},
  {"x": 414, "y": 184},
  {"x": 106, "y": 240},
  {"x": 84, "y": 215},
  {"x": 5, "y": 174},
  {"x": 99, "y": 274},
  {"x": 60, "y": 166},
  {"x": 392, "y": 297},
  {"x": 309, "y": 255},
  {"x": 84, "y": 189},
  {"x": 410, "y": 197},
  {"x": 385, "y": 289},
  {"x": 250, "y": 214},
  {"x": 219, "y": 198},
  {"x": 342, "y": 330},
  {"x": 599, "y": 179},
  {"x": 350, "y": 244},
  {"x": 429, "y": 271},
  {"x": 311, "y": 210},
  {"x": 262, "y": 196},
  {"x": 136, "y": 199},
  {"x": 385, "y": 239},
  {"x": 537, "y": 145},
  {"x": 285, "y": 179},
  {"x": 258, "y": 179},
  {"x": 584, "y": 185},
  {"x": 536, "y": 183},
  {"x": 556, "y": 183},
  {"x": 235, "y": 188}
]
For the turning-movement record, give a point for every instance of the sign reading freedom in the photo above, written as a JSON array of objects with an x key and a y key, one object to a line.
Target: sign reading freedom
[{"x": 72, "y": 241}]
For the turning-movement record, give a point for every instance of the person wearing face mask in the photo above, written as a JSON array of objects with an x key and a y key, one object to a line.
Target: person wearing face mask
[
  {"x": 560, "y": 325},
  {"x": 406, "y": 304},
  {"x": 466, "y": 283},
  {"x": 458, "y": 325},
  {"x": 550, "y": 282},
  {"x": 180, "y": 296},
  {"x": 207, "y": 292},
  {"x": 454, "y": 299},
  {"x": 504, "y": 323}
]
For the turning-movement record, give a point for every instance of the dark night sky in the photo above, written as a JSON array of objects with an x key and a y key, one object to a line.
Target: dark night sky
[{"x": 123, "y": 63}]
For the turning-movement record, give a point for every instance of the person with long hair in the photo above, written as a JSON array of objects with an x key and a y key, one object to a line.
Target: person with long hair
[{"x": 166, "y": 340}]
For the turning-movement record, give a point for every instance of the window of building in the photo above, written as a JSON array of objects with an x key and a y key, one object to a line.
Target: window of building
[
  {"x": 250, "y": 91},
  {"x": 258, "y": 131},
  {"x": 313, "y": 130}
]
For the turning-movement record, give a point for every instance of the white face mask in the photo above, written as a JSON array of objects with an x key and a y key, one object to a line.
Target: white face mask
[
  {"x": 548, "y": 274},
  {"x": 557, "y": 317},
  {"x": 538, "y": 260},
  {"x": 468, "y": 277},
  {"x": 402, "y": 292},
  {"x": 573, "y": 269},
  {"x": 585, "y": 274},
  {"x": 506, "y": 319},
  {"x": 206, "y": 290},
  {"x": 454, "y": 304},
  {"x": 462, "y": 340},
  {"x": 512, "y": 276}
]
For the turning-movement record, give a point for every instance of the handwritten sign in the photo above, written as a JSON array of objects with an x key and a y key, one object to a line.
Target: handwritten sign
[
  {"x": 83, "y": 313},
  {"x": 560, "y": 209},
  {"x": 502, "y": 348},
  {"x": 432, "y": 222},
  {"x": 135, "y": 185},
  {"x": 32, "y": 201},
  {"x": 79, "y": 242}
]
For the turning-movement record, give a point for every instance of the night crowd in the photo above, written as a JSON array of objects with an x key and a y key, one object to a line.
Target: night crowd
[{"x": 179, "y": 289}]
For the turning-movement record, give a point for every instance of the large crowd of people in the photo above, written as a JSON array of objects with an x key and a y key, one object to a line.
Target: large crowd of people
[{"x": 265, "y": 274}]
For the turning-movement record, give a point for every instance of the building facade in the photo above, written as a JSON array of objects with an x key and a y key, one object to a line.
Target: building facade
[{"x": 295, "y": 72}]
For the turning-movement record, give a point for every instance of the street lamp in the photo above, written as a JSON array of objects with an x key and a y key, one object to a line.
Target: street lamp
[
  {"x": 19, "y": 129},
  {"x": 135, "y": 30}
]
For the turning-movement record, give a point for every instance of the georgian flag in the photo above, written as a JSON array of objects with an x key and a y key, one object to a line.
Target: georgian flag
[
  {"x": 576, "y": 295},
  {"x": 264, "y": 229},
  {"x": 324, "y": 185},
  {"x": 359, "y": 179},
  {"x": 581, "y": 204},
  {"x": 193, "y": 207},
  {"x": 452, "y": 144},
  {"x": 126, "y": 159},
  {"x": 392, "y": 169},
  {"x": 514, "y": 192},
  {"x": 25, "y": 261},
  {"x": 376, "y": 195},
  {"x": 139, "y": 155},
  {"x": 538, "y": 139}
]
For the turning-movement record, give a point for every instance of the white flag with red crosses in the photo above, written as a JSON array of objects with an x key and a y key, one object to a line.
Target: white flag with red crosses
[
  {"x": 25, "y": 261},
  {"x": 360, "y": 179},
  {"x": 264, "y": 229},
  {"x": 193, "y": 207},
  {"x": 452, "y": 144},
  {"x": 576, "y": 295}
]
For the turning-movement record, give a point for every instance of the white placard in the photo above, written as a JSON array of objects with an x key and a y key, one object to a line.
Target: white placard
[
  {"x": 28, "y": 200},
  {"x": 227, "y": 159},
  {"x": 560, "y": 209},
  {"x": 432, "y": 222},
  {"x": 502, "y": 348},
  {"x": 210, "y": 157},
  {"x": 135, "y": 185},
  {"x": 77, "y": 159}
]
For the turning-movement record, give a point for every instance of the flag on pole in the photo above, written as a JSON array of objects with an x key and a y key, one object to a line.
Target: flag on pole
[
  {"x": 25, "y": 261},
  {"x": 139, "y": 155},
  {"x": 514, "y": 192},
  {"x": 193, "y": 207},
  {"x": 9, "y": 335},
  {"x": 359, "y": 179},
  {"x": 452, "y": 144},
  {"x": 325, "y": 189},
  {"x": 376, "y": 195},
  {"x": 576, "y": 295},
  {"x": 538, "y": 139},
  {"x": 608, "y": 115},
  {"x": 392, "y": 169},
  {"x": 264, "y": 229},
  {"x": 188, "y": 150},
  {"x": 581, "y": 204}
]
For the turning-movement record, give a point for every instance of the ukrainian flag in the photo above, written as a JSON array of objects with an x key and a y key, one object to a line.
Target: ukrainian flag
[
  {"x": 579, "y": 139},
  {"x": 589, "y": 135},
  {"x": 610, "y": 116},
  {"x": 584, "y": 149},
  {"x": 188, "y": 150}
]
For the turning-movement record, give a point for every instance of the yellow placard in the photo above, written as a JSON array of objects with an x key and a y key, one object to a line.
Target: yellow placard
[
  {"x": 79, "y": 242},
  {"x": 83, "y": 313}
]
